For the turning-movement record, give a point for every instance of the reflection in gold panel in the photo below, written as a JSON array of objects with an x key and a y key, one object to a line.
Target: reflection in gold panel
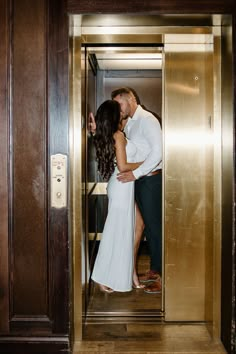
[
  {"x": 188, "y": 187},
  {"x": 99, "y": 188},
  {"x": 228, "y": 163},
  {"x": 76, "y": 189}
]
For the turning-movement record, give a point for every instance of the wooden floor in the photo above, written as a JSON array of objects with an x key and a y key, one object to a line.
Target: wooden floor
[
  {"x": 137, "y": 338},
  {"x": 107, "y": 333},
  {"x": 135, "y": 301}
]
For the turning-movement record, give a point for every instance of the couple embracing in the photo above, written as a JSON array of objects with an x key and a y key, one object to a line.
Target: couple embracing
[{"x": 128, "y": 142}]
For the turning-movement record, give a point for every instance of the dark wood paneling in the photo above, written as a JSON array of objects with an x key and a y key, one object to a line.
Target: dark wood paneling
[
  {"x": 33, "y": 345},
  {"x": 4, "y": 76},
  {"x": 58, "y": 142},
  {"x": 233, "y": 253},
  {"x": 151, "y": 7},
  {"x": 29, "y": 161},
  {"x": 38, "y": 125}
]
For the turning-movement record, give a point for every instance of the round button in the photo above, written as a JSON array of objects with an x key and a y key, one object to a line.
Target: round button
[{"x": 58, "y": 194}]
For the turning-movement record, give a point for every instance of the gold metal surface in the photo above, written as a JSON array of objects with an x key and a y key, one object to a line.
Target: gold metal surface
[
  {"x": 228, "y": 143},
  {"x": 76, "y": 221},
  {"x": 97, "y": 188},
  {"x": 188, "y": 191},
  {"x": 121, "y": 39},
  {"x": 138, "y": 20},
  {"x": 148, "y": 30},
  {"x": 92, "y": 235},
  {"x": 118, "y": 28},
  {"x": 213, "y": 284}
]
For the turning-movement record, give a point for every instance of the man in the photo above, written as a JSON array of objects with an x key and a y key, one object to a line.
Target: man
[{"x": 145, "y": 131}]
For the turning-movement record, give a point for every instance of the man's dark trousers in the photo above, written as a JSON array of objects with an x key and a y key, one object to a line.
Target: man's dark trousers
[{"x": 148, "y": 195}]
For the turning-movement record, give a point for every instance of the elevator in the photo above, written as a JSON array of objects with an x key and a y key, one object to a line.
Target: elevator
[
  {"x": 179, "y": 75},
  {"x": 108, "y": 68}
]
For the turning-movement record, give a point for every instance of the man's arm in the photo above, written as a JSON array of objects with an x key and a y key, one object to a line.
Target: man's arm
[{"x": 153, "y": 134}]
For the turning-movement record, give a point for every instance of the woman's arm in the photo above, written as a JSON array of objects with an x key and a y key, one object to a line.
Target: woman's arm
[
  {"x": 121, "y": 157},
  {"x": 91, "y": 124}
]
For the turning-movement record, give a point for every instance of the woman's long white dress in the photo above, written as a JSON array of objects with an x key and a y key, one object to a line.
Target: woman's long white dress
[{"x": 114, "y": 263}]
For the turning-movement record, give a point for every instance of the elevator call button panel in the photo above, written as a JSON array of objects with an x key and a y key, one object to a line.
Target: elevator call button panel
[{"x": 58, "y": 181}]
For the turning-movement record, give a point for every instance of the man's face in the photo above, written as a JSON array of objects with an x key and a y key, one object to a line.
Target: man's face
[
  {"x": 123, "y": 122},
  {"x": 125, "y": 108}
]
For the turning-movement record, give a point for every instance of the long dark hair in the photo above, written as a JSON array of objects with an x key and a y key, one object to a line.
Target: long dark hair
[{"x": 107, "y": 123}]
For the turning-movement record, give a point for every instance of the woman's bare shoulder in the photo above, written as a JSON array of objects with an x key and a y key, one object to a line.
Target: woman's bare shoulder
[{"x": 119, "y": 136}]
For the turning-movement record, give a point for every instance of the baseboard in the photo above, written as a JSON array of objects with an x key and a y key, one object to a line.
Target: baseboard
[{"x": 33, "y": 345}]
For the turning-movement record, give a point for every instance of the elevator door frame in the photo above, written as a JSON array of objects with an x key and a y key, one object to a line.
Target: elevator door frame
[
  {"x": 100, "y": 37},
  {"x": 201, "y": 288}
]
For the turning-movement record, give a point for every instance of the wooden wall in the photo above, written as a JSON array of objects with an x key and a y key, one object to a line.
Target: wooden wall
[
  {"x": 4, "y": 113},
  {"x": 154, "y": 7},
  {"x": 34, "y": 262},
  {"x": 34, "y": 241}
]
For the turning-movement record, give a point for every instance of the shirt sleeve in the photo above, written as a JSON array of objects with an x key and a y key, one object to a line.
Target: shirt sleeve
[{"x": 151, "y": 129}]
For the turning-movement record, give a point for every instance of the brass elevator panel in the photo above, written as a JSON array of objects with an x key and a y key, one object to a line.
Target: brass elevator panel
[{"x": 188, "y": 161}]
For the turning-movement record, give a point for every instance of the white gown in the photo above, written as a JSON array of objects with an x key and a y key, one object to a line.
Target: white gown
[{"x": 114, "y": 263}]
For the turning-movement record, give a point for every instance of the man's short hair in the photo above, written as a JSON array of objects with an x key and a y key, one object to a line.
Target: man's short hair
[
  {"x": 125, "y": 91},
  {"x": 135, "y": 95}
]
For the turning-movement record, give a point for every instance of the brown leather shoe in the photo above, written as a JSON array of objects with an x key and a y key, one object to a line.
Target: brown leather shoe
[
  {"x": 154, "y": 288},
  {"x": 150, "y": 275}
]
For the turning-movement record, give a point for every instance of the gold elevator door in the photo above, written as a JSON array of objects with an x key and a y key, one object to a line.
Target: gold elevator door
[{"x": 188, "y": 171}]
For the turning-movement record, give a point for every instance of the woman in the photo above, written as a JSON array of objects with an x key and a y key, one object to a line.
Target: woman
[{"x": 113, "y": 269}]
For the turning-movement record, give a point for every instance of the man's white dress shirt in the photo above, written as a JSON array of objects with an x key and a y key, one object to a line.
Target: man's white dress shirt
[{"x": 144, "y": 130}]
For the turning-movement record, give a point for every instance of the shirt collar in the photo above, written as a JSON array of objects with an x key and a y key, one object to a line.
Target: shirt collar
[{"x": 136, "y": 113}]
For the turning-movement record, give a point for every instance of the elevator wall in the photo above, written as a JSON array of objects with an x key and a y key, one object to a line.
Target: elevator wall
[{"x": 148, "y": 85}]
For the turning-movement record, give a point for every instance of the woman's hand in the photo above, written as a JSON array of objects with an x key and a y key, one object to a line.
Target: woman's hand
[{"x": 91, "y": 124}]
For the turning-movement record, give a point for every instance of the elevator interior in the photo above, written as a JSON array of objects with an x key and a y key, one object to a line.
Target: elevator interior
[
  {"x": 189, "y": 60},
  {"x": 109, "y": 68}
]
